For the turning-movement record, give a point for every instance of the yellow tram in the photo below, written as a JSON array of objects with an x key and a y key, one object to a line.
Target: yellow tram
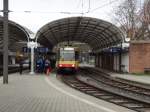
[{"x": 67, "y": 59}]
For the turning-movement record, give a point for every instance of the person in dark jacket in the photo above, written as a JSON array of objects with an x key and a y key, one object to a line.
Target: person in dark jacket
[
  {"x": 29, "y": 65},
  {"x": 47, "y": 66},
  {"x": 20, "y": 66}
]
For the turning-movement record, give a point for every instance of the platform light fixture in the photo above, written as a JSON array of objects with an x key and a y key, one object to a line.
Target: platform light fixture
[
  {"x": 68, "y": 48},
  {"x": 127, "y": 39}
]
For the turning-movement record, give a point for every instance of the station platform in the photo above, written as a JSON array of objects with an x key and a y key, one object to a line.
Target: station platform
[
  {"x": 143, "y": 79},
  {"x": 40, "y": 93}
]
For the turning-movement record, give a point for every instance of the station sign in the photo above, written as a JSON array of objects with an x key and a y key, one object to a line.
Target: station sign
[
  {"x": 116, "y": 50},
  {"x": 113, "y": 50},
  {"x": 38, "y": 50}
]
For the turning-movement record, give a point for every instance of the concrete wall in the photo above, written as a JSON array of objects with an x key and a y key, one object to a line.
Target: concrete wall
[{"x": 139, "y": 57}]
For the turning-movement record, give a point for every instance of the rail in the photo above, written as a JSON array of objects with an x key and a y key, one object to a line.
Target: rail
[{"x": 108, "y": 92}]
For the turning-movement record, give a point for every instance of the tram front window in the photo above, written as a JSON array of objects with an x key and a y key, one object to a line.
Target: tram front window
[{"x": 67, "y": 55}]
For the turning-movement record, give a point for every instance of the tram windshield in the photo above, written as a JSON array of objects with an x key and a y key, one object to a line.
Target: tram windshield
[{"x": 67, "y": 55}]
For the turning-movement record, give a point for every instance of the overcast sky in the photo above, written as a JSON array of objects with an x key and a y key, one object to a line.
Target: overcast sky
[{"x": 33, "y": 14}]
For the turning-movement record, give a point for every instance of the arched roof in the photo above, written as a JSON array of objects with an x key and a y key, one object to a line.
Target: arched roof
[
  {"x": 17, "y": 35},
  {"x": 95, "y": 32}
]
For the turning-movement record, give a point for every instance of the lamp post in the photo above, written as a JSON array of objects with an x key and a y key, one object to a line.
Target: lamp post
[{"x": 32, "y": 44}]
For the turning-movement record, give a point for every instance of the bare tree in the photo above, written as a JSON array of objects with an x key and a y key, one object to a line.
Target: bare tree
[
  {"x": 134, "y": 20},
  {"x": 144, "y": 17},
  {"x": 126, "y": 15}
]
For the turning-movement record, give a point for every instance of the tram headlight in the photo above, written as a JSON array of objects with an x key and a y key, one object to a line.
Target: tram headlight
[
  {"x": 60, "y": 65},
  {"x": 73, "y": 65}
]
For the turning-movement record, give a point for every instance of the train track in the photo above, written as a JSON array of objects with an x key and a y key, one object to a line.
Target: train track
[
  {"x": 12, "y": 69},
  {"x": 117, "y": 83},
  {"x": 107, "y": 95}
]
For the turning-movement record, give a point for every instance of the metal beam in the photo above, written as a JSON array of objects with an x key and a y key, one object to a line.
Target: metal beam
[
  {"x": 5, "y": 42},
  {"x": 78, "y": 22},
  {"x": 78, "y": 29}
]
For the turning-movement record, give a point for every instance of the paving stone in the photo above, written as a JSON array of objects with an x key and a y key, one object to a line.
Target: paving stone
[{"x": 31, "y": 93}]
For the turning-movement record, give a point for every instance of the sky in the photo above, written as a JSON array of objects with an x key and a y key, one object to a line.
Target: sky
[{"x": 34, "y": 14}]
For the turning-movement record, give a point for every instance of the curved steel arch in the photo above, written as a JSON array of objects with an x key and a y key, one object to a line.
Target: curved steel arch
[
  {"x": 97, "y": 33},
  {"x": 17, "y": 33}
]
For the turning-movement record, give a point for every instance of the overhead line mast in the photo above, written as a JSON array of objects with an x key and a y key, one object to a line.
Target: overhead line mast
[{"x": 5, "y": 41}]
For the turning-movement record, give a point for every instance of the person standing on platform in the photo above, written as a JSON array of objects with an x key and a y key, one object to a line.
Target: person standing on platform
[
  {"x": 20, "y": 66},
  {"x": 39, "y": 65},
  {"x": 47, "y": 67},
  {"x": 29, "y": 65}
]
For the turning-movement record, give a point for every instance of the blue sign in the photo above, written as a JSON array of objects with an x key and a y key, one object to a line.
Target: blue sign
[
  {"x": 26, "y": 49},
  {"x": 42, "y": 50},
  {"x": 113, "y": 50},
  {"x": 39, "y": 49}
]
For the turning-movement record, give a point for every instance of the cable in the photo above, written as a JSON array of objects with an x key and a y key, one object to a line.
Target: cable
[
  {"x": 82, "y": 7},
  {"x": 78, "y": 4},
  {"x": 82, "y": 13},
  {"x": 89, "y": 6},
  {"x": 28, "y": 11},
  {"x": 110, "y": 2}
]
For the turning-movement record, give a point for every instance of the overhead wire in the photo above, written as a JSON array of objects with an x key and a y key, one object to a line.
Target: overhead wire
[
  {"x": 82, "y": 8},
  {"x": 89, "y": 6},
  {"x": 78, "y": 3},
  {"x": 29, "y": 11},
  {"x": 63, "y": 12},
  {"x": 104, "y": 5}
]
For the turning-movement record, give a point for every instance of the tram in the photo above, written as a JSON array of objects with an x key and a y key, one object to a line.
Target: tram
[{"x": 67, "y": 59}]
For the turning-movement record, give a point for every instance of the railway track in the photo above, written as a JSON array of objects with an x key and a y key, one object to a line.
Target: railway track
[
  {"x": 117, "y": 83},
  {"x": 107, "y": 94},
  {"x": 12, "y": 70}
]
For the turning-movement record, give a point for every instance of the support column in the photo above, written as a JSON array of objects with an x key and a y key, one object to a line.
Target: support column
[
  {"x": 95, "y": 60},
  {"x": 97, "y": 63},
  {"x": 120, "y": 59},
  {"x": 32, "y": 60},
  {"x": 120, "y": 62},
  {"x": 32, "y": 45},
  {"x": 13, "y": 60},
  {"x": 5, "y": 42}
]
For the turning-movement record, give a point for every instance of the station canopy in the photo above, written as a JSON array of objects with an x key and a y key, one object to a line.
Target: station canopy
[
  {"x": 98, "y": 34},
  {"x": 18, "y": 36}
]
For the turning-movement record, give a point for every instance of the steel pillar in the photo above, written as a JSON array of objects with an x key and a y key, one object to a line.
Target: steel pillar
[
  {"x": 32, "y": 45},
  {"x": 5, "y": 41},
  {"x": 32, "y": 60}
]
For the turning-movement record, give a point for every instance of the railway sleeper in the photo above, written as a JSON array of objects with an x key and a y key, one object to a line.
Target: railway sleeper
[
  {"x": 106, "y": 97},
  {"x": 143, "y": 109},
  {"x": 89, "y": 89},
  {"x": 100, "y": 94},
  {"x": 85, "y": 87},
  {"x": 80, "y": 85},
  {"x": 133, "y": 105},
  {"x": 96, "y": 93},
  {"x": 120, "y": 101}
]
